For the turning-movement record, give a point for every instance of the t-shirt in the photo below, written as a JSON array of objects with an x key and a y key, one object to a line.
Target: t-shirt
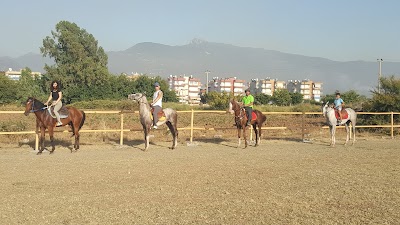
[
  {"x": 247, "y": 100},
  {"x": 338, "y": 102}
]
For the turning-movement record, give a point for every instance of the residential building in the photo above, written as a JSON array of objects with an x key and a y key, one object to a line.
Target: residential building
[
  {"x": 16, "y": 75},
  {"x": 309, "y": 89},
  {"x": 266, "y": 86},
  {"x": 187, "y": 88},
  {"x": 229, "y": 85}
]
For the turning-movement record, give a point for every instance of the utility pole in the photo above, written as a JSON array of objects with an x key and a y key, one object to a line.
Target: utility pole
[
  {"x": 380, "y": 74},
  {"x": 207, "y": 72}
]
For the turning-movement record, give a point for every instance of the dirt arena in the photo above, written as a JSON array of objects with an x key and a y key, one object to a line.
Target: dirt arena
[{"x": 279, "y": 182}]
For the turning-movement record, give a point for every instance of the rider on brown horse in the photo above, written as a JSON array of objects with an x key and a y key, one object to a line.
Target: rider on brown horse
[{"x": 248, "y": 102}]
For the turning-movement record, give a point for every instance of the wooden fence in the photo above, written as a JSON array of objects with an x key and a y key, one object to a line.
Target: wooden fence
[{"x": 121, "y": 130}]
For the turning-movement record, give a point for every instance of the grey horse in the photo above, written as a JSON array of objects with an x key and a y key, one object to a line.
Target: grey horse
[
  {"x": 329, "y": 114},
  {"x": 171, "y": 118}
]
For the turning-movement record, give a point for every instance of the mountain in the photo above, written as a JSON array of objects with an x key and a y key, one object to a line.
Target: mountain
[{"x": 224, "y": 60}]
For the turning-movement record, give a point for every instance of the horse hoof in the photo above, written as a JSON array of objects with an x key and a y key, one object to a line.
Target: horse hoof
[
  {"x": 39, "y": 153},
  {"x": 51, "y": 152}
]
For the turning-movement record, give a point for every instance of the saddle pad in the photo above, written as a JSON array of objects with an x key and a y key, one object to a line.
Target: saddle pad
[
  {"x": 253, "y": 115},
  {"x": 63, "y": 112},
  {"x": 345, "y": 115}
]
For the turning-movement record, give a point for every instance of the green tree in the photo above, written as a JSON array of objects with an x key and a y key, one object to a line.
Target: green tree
[
  {"x": 8, "y": 90},
  {"x": 218, "y": 100},
  {"x": 282, "y": 97},
  {"x": 29, "y": 86},
  {"x": 262, "y": 99},
  {"x": 388, "y": 100},
  {"x": 79, "y": 63},
  {"x": 296, "y": 98}
]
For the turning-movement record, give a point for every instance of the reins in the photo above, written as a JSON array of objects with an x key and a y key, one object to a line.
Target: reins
[{"x": 36, "y": 110}]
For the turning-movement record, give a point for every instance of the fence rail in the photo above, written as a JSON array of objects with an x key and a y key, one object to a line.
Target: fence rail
[{"x": 192, "y": 127}]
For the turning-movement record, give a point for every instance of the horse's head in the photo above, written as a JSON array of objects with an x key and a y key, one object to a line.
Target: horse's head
[
  {"x": 230, "y": 109},
  {"x": 29, "y": 104},
  {"x": 325, "y": 108},
  {"x": 136, "y": 96}
]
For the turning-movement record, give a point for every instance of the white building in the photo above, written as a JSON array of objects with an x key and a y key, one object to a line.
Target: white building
[
  {"x": 16, "y": 75},
  {"x": 228, "y": 85},
  {"x": 187, "y": 88}
]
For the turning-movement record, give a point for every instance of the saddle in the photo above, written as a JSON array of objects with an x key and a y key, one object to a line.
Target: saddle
[
  {"x": 253, "y": 114},
  {"x": 64, "y": 113},
  {"x": 161, "y": 114},
  {"x": 345, "y": 115}
]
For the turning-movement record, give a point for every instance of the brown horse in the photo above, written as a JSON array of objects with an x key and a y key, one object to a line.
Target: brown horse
[
  {"x": 45, "y": 120},
  {"x": 241, "y": 119}
]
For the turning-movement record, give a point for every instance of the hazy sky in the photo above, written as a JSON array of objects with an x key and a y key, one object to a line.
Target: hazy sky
[{"x": 343, "y": 30}]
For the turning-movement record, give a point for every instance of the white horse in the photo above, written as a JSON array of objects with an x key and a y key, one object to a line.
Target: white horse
[
  {"x": 171, "y": 119},
  {"x": 329, "y": 113}
]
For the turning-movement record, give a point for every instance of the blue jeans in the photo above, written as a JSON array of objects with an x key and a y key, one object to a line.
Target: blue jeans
[{"x": 249, "y": 111}]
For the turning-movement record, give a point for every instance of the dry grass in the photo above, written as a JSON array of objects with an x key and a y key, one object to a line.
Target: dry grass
[{"x": 280, "y": 182}]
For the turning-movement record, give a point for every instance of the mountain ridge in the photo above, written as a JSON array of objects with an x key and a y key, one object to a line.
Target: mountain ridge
[{"x": 226, "y": 60}]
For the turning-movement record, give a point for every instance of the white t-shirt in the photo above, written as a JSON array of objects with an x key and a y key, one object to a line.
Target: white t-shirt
[{"x": 159, "y": 102}]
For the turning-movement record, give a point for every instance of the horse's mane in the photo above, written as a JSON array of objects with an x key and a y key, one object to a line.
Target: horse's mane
[{"x": 36, "y": 103}]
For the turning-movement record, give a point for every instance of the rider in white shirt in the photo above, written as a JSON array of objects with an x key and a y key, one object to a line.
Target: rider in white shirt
[{"x": 157, "y": 103}]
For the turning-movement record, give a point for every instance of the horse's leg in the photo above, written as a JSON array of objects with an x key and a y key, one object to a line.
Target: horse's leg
[
  {"x": 238, "y": 132},
  {"x": 353, "y": 125},
  {"x": 255, "y": 131},
  {"x": 41, "y": 141},
  {"x": 245, "y": 136},
  {"x": 76, "y": 145},
  {"x": 51, "y": 134},
  {"x": 346, "y": 125},
  {"x": 173, "y": 132},
  {"x": 333, "y": 136},
  {"x": 146, "y": 137}
]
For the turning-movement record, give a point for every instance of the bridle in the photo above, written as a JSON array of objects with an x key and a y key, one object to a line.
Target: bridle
[{"x": 32, "y": 105}]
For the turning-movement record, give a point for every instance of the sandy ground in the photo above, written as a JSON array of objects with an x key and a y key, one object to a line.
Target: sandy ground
[{"x": 213, "y": 182}]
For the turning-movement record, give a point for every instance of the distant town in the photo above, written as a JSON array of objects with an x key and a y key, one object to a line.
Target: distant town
[{"x": 189, "y": 88}]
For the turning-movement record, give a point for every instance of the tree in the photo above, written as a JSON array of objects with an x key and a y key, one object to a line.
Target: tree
[
  {"x": 262, "y": 99},
  {"x": 296, "y": 98},
  {"x": 8, "y": 90},
  {"x": 282, "y": 97},
  {"x": 218, "y": 100},
  {"x": 29, "y": 86},
  {"x": 388, "y": 100},
  {"x": 79, "y": 63}
]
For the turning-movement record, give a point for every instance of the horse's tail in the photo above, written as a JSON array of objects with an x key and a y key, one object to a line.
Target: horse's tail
[
  {"x": 83, "y": 120},
  {"x": 80, "y": 124},
  {"x": 263, "y": 118}
]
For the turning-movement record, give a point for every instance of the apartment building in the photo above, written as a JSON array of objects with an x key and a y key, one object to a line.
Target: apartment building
[
  {"x": 309, "y": 89},
  {"x": 187, "y": 88},
  {"x": 16, "y": 75},
  {"x": 229, "y": 85},
  {"x": 266, "y": 86}
]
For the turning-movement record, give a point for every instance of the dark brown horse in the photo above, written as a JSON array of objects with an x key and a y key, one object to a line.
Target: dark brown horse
[
  {"x": 241, "y": 119},
  {"x": 74, "y": 117}
]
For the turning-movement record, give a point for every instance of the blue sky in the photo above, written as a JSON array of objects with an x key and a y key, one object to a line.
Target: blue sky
[{"x": 335, "y": 29}]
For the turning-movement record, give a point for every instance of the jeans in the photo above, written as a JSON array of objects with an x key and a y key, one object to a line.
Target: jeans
[
  {"x": 157, "y": 109},
  {"x": 249, "y": 111}
]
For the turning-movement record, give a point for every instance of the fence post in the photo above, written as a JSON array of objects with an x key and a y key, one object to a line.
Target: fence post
[
  {"x": 302, "y": 125},
  {"x": 191, "y": 126},
  {"x": 392, "y": 124},
  {"x": 121, "y": 140},
  {"x": 37, "y": 140}
]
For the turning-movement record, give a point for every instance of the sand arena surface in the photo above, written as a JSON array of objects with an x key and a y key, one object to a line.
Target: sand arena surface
[{"x": 279, "y": 182}]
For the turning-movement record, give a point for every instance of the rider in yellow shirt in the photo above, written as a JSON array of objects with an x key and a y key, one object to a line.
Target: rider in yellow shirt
[{"x": 248, "y": 102}]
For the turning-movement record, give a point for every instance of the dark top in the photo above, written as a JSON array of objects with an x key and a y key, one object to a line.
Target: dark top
[{"x": 55, "y": 95}]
